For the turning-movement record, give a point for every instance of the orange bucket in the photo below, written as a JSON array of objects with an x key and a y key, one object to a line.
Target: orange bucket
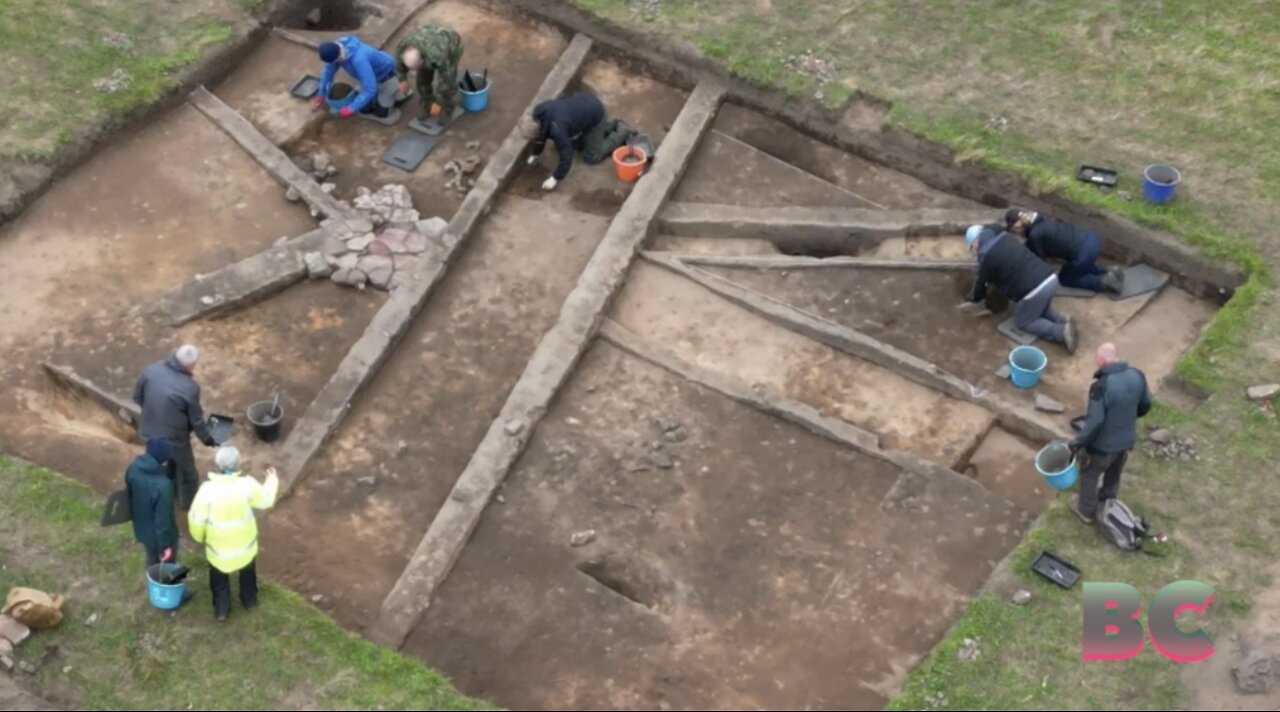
[{"x": 629, "y": 163}]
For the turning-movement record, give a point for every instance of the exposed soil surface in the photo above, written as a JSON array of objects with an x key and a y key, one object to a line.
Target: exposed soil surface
[
  {"x": 736, "y": 578},
  {"x": 444, "y": 385},
  {"x": 915, "y": 311}
]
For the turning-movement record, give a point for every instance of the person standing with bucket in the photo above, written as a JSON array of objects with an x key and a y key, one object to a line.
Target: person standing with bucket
[
  {"x": 151, "y": 502},
  {"x": 222, "y": 520},
  {"x": 170, "y": 401},
  {"x": 433, "y": 53},
  {"x": 1117, "y": 399},
  {"x": 1023, "y": 278}
]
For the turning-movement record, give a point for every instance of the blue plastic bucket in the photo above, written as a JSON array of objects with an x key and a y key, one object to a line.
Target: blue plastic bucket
[
  {"x": 1159, "y": 181},
  {"x": 475, "y": 101},
  {"x": 347, "y": 96},
  {"x": 164, "y": 596},
  {"x": 1026, "y": 363},
  {"x": 1055, "y": 463}
]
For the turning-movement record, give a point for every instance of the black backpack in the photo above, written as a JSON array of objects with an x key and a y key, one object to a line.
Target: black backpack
[{"x": 1125, "y": 529}]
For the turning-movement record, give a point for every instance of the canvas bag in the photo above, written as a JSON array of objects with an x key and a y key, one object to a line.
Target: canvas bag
[{"x": 35, "y": 609}]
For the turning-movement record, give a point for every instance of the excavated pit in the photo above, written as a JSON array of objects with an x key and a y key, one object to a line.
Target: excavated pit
[{"x": 330, "y": 15}]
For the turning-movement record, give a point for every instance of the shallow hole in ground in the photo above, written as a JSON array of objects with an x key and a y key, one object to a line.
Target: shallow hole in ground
[
  {"x": 635, "y": 580},
  {"x": 330, "y": 15}
]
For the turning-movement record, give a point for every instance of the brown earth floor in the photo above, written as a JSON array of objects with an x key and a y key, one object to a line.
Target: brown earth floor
[
  {"x": 737, "y": 578},
  {"x": 915, "y": 311},
  {"x": 176, "y": 199},
  {"x": 445, "y": 384},
  {"x": 518, "y": 56},
  {"x": 706, "y": 330}
]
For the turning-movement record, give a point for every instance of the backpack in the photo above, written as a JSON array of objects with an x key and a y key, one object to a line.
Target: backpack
[{"x": 1124, "y": 528}]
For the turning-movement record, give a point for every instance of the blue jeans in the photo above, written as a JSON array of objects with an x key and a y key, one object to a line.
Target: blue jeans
[
  {"x": 1083, "y": 272},
  {"x": 1035, "y": 314}
]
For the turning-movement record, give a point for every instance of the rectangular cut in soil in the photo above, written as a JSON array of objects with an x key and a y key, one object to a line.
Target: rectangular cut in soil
[
  {"x": 758, "y": 161},
  {"x": 446, "y": 382},
  {"x": 518, "y": 54},
  {"x": 915, "y": 311},
  {"x": 760, "y": 566},
  {"x": 701, "y": 328},
  {"x": 1005, "y": 464}
]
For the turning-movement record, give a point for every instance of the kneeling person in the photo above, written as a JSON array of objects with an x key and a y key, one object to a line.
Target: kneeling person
[
  {"x": 373, "y": 69},
  {"x": 1078, "y": 248},
  {"x": 575, "y": 122},
  {"x": 1022, "y": 277},
  {"x": 433, "y": 53}
]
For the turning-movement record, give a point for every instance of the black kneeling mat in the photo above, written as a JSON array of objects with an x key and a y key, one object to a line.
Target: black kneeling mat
[
  {"x": 409, "y": 151},
  {"x": 1140, "y": 279}
]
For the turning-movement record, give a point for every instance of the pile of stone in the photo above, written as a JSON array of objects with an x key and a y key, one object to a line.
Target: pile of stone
[
  {"x": 321, "y": 167},
  {"x": 813, "y": 66},
  {"x": 658, "y": 453},
  {"x": 390, "y": 205},
  {"x": 1166, "y": 445},
  {"x": 363, "y": 255},
  {"x": 459, "y": 172}
]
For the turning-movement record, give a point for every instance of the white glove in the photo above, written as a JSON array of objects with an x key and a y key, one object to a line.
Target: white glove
[
  {"x": 531, "y": 160},
  {"x": 549, "y": 184},
  {"x": 973, "y": 309}
]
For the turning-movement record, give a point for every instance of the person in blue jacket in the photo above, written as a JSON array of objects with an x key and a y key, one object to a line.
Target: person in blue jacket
[
  {"x": 1078, "y": 247},
  {"x": 372, "y": 68}
]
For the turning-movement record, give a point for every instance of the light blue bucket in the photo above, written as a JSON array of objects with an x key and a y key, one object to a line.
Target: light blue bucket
[
  {"x": 164, "y": 596},
  {"x": 1055, "y": 463},
  {"x": 1026, "y": 363},
  {"x": 475, "y": 101}
]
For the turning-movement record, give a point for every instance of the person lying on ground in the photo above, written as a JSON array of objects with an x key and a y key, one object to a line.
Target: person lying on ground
[
  {"x": 1022, "y": 277},
  {"x": 222, "y": 520},
  {"x": 575, "y": 122},
  {"x": 373, "y": 69},
  {"x": 433, "y": 53},
  {"x": 1078, "y": 247},
  {"x": 170, "y": 399},
  {"x": 1118, "y": 397}
]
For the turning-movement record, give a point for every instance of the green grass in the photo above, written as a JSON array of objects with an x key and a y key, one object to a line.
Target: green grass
[
  {"x": 55, "y": 52},
  {"x": 284, "y": 655}
]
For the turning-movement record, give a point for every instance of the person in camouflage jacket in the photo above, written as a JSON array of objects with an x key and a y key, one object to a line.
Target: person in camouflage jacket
[{"x": 434, "y": 53}]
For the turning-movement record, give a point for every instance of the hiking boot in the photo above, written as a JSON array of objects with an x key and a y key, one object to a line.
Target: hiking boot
[
  {"x": 1071, "y": 335},
  {"x": 1113, "y": 281},
  {"x": 1075, "y": 509}
]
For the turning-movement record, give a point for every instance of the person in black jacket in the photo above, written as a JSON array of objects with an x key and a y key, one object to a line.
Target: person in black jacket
[
  {"x": 1022, "y": 277},
  {"x": 170, "y": 400},
  {"x": 151, "y": 502},
  {"x": 1117, "y": 399},
  {"x": 575, "y": 122},
  {"x": 1077, "y": 247}
]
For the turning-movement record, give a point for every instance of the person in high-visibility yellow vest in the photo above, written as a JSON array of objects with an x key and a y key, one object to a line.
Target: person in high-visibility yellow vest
[{"x": 221, "y": 518}]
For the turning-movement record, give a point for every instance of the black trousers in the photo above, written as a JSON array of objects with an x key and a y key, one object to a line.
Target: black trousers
[
  {"x": 220, "y": 585},
  {"x": 1110, "y": 463},
  {"x": 182, "y": 470}
]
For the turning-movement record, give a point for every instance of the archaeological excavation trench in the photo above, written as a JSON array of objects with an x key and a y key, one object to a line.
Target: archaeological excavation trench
[{"x": 715, "y": 438}]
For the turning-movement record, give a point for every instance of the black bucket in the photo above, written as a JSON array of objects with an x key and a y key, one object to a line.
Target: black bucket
[{"x": 265, "y": 417}]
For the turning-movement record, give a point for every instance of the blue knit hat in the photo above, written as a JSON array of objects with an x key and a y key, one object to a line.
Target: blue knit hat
[
  {"x": 160, "y": 449},
  {"x": 330, "y": 51},
  {"x": 971, "y": 235}
]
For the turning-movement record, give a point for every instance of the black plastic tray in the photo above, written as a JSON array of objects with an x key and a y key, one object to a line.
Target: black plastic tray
[
  {"x": 220, "y": 427},
  {"x": 1097, "y": 176},
  {"x": 306, "y": 87},
  {"x": 1056, "y": 569}
]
